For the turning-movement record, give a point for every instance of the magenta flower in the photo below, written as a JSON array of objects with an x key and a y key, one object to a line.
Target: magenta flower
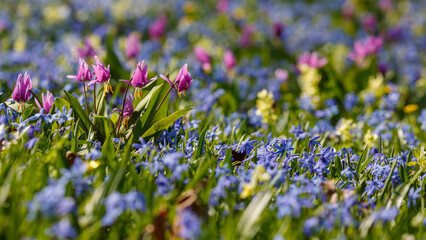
[
  {"x": 139, "y": 79},
  {"x": 183, "y": 80},
  {"x": 246, "y": 36},
  {"x": 102, "y": 75},
  {"x": 278, "y": 29},
  {"x": 87, "y": 51},
  {"x": 21, "y": 93},
  {"x": 47, "y": 101},
  {"x": 312, "y": 60},
  {"x": 369, "y": 22},
  {"x": 158, "y": 28},
  {"x": 84, "y": 73},
  {"x": 128, "y": 107},
  {"x": 229, "y": 60},
  {"x": 385, "y": 5},
  {"x": 222, "y": 6},
  {"x": 133, "y": 45},
  {"x": 201, "y": 55},
  {"x": 370, "y": 46},
  {"x": 281, "y": 74}
]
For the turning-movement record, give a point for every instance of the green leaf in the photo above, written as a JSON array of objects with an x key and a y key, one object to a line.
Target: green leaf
[
  {"x": 59, "y": 103},
  {"x": 27, "y": 112},
  {"x": 364, "y": 155},
  {"x": 388, "y": 181},
  {"x": 104, "y": 125},
  {"x": 86, "y": 124},
  {"x": 201, "y": 141},
  {"x": 166, "y": 122}
]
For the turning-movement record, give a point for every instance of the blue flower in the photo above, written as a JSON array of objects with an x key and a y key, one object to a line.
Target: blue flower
[
  {"x": 189, "y": 225},
  {"x": 412, "y": 196},
  {"x": 62, "y": 230},
  {"x": 246, "y": 146}
]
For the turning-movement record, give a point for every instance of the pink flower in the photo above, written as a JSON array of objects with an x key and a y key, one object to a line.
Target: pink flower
[
  {"x": 128, "y": 107},
  {"x": 246, "y": 36},
  {"x": 101, "y": 72},
  {"x": 139, "y": 79},
  {"x": 386, "y": 5},
  {"x": 222, "y": 6},
  {"x": 370, "y": 46},
  {"x": 183, "y": 79},
  {"x": 21, "y": 92},
  {"x": 229, "y": 60},
  {"x": 281, "y": 74},
  {"x": 278, "y": 29},
  {"x": 84, "y": 73},
  {"x": 201, "y": 55},
  {"x": 133, "y": 45},
  {"x": 47, "y": 101},
  {"x": 369, "y": 22},
  {"x": 87, "y": 51},
  {"x": 312, "y": 60},
  {"x": 158, "y": 28}
]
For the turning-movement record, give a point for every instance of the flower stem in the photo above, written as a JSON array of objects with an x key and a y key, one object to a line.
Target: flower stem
[
  {"x": 122, "y": 110},
  {"x": 36, "y": 98},
  {"x": 94, "y": 97},
  {"x": 85, "y": 98}
]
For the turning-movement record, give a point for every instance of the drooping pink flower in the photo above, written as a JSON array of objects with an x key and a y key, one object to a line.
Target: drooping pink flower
[
  {"x": 47, "y": 101},
  {"x": 370, "y": 46},
  {"x": 201, "y": 54},
  {"x": 312, "y": 60},
  {"x": 222, "y": 6},
  {"x": 229, "y": 60},
  {"x": 84, "y": 73},
  {"x": 347, "y": 11},
  {"x": 128, "y": 107},
  {"x": 183, "y": 79},
  {"x": 385, "y": 5},
  {"x": 87, "y": 51},
  {"x": 21, "y": 93},
  {"x": 278, "y": 29},
  {"x": 158, "y": 28},
  {"x": 369, "y": 22},
  {"x": 139, "y": 79},
  {"x": 101, "y": 72},
  {"x": 246, "y": 36},
  {"x": 133, "y": 45},
  {"x": 281, "y": 74}
]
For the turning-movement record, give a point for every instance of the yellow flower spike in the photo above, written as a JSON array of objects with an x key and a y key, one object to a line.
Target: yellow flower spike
[
  {"x": 125, "y": 121},
  {"x": 94, "y": 164},
  {"x": 410, "y": 108}
]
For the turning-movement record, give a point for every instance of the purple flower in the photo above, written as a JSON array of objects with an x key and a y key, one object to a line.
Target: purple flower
[
  {"x": 281, "y": 74},
  {"x": 47, "y": 101},
  {"x": 21, "y": 92},
  {"x": 183, "y": 79},
  {"x": 87, "y": 51},
  {"x": 278, "y": 29},
  {"x": 246, "y": 36},
  {"x": 133, "y": 45},
  {"x": 201, "y": 54},
  {"x": 369, "y": 22},
  {"x": 84, "y": 73},
  {"x": 229, "y": 60},
  {"x": 139, "y": 79},
  {"x": 128, "y": 107},
  {"x": 157, "y": 29},
  {"x": 30, "y": 144},
  {"x": 312, "y": 60},
  {"x": 189, "y": 225},
  {"x": 412, "y": 196},
  {"x": 222, "y": 6},
  {"x": 62, "y": 230}
]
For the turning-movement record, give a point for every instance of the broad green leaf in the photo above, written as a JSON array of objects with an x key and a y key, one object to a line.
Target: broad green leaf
[
  {"x": 59, "y": 103},
  {"x": 86, "y": 124},
  {"x": 104, "y": 125},
  {"x": 201, "y": 141},
  {"x": 166, "y": 122},
  {"x": 27, "y": 112}
]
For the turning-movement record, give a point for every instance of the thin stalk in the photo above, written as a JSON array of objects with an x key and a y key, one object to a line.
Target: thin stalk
[
  {"x": 120, "y": 118},
  {"x": 94, "y": 97},
  {"x": 36, "y": 98},
  {"x": 85, "y": 98}
]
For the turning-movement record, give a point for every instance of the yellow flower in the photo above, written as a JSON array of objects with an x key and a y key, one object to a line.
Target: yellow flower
[
  {"x": 259, "y": 175},
  {"x": 344, "y": 129},
  {"x": 309, "y": 80},
  {"x": 410, "y": 108},
  {"x": 94, "y": 164},
  {"x": 370, "y": 139},
  {"x": 247, "y": 190},
  {"x": 264, "y": 105},
  {"x": 376, "y": 85}
]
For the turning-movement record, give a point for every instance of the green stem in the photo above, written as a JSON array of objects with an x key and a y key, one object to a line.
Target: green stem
[
  {"x": 85, "y": 98},
  {"x": 37, "y": 99},
  {"x": 94, "y": 97},
  {"x": 120, "y": 118}
]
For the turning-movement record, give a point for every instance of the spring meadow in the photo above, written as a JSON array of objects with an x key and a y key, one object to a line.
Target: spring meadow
[{"x": 212, "y": 119}]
